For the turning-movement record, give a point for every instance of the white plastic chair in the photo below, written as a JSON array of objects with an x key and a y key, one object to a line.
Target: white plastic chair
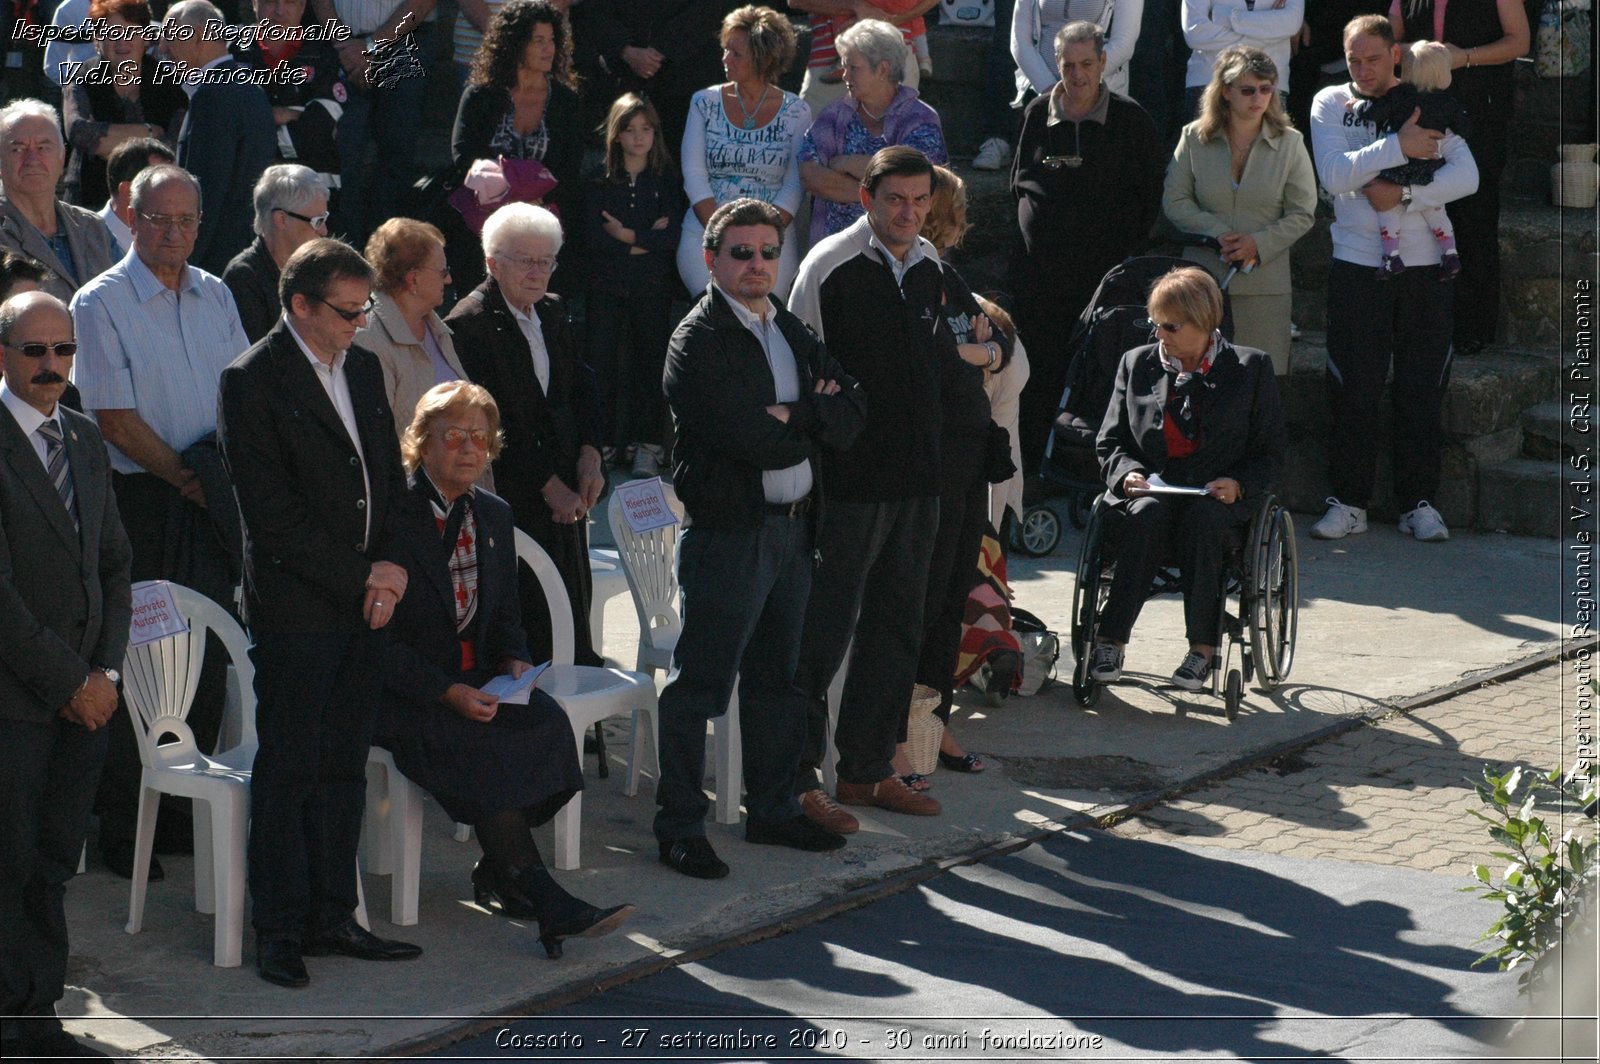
[
  {"x": 392, "y": 833},
  {"x": 649, "y": 560},
  {"x": 586, "y": 693},
  {"x": 159, "y": 681},
  {"x": 607, "y": 581}
]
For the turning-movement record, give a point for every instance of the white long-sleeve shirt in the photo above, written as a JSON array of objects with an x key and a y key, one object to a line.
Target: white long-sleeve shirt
[
  {"x": 1348, "y": 154},
  {"x": 1209, "y": 26},
  {"x": 1034, "y": 24}
]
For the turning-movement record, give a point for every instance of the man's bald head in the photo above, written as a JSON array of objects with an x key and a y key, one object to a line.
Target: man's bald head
[{"x": 34, "y": 326}]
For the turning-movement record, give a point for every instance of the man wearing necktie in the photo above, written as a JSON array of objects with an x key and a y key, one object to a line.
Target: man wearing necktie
[{"x": 64, "y": 613}]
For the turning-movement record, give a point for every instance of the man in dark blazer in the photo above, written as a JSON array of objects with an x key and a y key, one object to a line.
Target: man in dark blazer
[
  {"x": 307, "y": 434},
  {"x": 64, "y": 612},
  {"x": 227, "y": 139}
]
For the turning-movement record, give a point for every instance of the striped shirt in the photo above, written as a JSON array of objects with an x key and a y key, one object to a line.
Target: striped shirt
[
  {"x": 144, "y": 347},
  {"x": 468, "y": 37}
]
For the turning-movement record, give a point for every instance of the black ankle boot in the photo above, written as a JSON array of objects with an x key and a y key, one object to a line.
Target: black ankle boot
[{"x": 491, "y": 882}]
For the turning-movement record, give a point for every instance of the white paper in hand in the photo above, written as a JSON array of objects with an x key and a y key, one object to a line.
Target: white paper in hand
[
  {"x": 1158, "y": 486},
  {"x": 511, "y": 691}
]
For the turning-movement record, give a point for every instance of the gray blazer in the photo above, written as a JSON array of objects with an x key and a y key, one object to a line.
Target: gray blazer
[
  {"x": 64, "y": 598},
  {"x": 93, "y": 252},
  {"x": 1275, "y": 202}
]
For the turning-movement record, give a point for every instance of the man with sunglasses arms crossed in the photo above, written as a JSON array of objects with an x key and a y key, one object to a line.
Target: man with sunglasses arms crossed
[
  {"x": 755, "y": 399},
  {"x": 156, "y": 334},
  {"x": 64, "y": 612},
  {"x": 305, "y": 426}
]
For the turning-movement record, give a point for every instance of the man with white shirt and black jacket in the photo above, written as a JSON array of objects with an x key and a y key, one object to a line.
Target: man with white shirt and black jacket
[
  {"x": 755, "y": 403},
  {"x": 1370, "y": 319},
  {"x": 875, "y": 294}
]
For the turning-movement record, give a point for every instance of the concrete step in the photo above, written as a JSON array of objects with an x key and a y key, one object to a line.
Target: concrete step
[
  {"x": 1550, "y": 431},
  {"x": 1534, "y": 497}
]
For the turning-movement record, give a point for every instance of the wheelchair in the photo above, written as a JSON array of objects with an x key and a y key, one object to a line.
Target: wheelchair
[{"x": 1262, "y": 572}]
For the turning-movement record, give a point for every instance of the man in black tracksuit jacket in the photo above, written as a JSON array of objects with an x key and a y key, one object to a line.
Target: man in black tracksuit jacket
[
  {"x": 875, "y": 293},
  {"x": 755, "y": 401}
]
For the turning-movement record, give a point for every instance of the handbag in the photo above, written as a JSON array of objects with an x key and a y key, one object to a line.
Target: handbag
[{"x": 529, "y": 181}]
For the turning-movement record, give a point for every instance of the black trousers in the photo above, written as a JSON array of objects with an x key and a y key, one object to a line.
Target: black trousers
[
  {"x": 627, "y": 348},
  {"x": 143, "y": 500},
  {"x": 1405, "y": 319},
  {"x": 1197, "y": 533},
  {"x": 1477, "y": 218},
  {"x": 48, "y": 773},
  {"x": 871, "y": 580},
  {"x": 744, "y": 603},
  {"x": 1047, "y": 312},
  {"x": 952, "y": 573},
  {"x": 316, "y": 699}
]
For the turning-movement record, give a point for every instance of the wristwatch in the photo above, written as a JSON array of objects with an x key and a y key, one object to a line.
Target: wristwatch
[
  {"x": 111, "y": 674},
  {"x": 1405, "y": 195}
]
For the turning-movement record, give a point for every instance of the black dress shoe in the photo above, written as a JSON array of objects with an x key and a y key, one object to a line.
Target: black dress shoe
[
  {"x": 588, "y": 922},
  {"x": 278, "y": 961},
  {"x": 797, "y": 833},
  {"x": 117, "y": 855},
  {"x": 352, "y": 940},
  {"x": 693, "y": 856},
  {"x": 495, "y": 890}
]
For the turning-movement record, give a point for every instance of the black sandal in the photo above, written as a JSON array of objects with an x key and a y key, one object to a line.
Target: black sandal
[{"x": 964, "y": 763}]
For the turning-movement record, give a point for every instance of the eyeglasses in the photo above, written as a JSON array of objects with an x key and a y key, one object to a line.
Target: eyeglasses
[
  {"x": 527, "y": 265},
  {"x": 744, "y": 252},
  {"x": 316, "y": 221},
  {"x": 453, "y": 438},
  {"x": 1168, "y": 327},
  {"x": 65, "y": 349},
  {"x": 442, "y": 271},
  {"x": 186, "y": 223},
  {"x": 1248, "y": 91},
  {"x": 349, "y": 315}
]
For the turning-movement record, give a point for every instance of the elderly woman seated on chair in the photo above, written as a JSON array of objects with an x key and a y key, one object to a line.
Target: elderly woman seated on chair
[
  {"x": 501, "y": 768},
  {"x": 1188, "y": 411}
]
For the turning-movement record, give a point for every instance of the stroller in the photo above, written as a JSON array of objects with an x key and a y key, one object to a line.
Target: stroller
[{"x": 1114, "y": 322}]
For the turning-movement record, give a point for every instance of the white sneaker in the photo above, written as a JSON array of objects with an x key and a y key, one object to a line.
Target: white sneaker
[
  {"x": 1340, "y": 521},
  {"x": 1424, "y": 524},
  {"x": 993, "y": 154}
]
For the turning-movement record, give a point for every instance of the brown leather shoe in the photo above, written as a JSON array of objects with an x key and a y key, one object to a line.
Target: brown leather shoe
[
  {"x": 890, "y": 794},
  {"x": 826, "y": 814}
]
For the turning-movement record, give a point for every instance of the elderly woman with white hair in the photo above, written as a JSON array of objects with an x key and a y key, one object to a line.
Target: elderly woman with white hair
[
  {"x": 878, "y": 112},
  {"x": 291, "y": 203},
  {"x": 514, "y": 339}
]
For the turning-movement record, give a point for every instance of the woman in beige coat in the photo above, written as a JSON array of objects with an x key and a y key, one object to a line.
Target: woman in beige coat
[
  {"x": 403, "y": 329},
  {"x": 1241, "y": 174}
]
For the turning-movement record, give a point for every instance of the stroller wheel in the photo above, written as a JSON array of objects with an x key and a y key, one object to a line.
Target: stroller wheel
[{"x": 1039, "y": 531}]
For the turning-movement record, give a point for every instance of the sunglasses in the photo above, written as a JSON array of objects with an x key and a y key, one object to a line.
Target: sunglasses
[
  {"x": 1248, "y": 91},
  {"x": 1168, "y": 327},
  {"x": 316, "y": 221},
  {"x": 65, "y": 349},
  {"x": 744, "y": 252},
  {"x": 453, "y": 438},
  {"x": 349, "y": 315}
]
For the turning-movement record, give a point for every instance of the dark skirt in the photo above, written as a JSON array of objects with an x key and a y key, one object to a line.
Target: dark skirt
[{"x": 524, "y": 758}]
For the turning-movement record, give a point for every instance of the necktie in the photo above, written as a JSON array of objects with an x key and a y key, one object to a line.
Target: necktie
[{"x": 55, "y": 460}]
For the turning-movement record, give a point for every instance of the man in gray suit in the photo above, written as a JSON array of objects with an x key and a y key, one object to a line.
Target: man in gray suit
[
  {"x": 72, "y": 243},
  {"x": 64, "y": 612}
]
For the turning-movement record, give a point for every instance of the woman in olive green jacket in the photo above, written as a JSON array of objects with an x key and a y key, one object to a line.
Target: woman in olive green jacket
[{"x": 1241, "y": 174}]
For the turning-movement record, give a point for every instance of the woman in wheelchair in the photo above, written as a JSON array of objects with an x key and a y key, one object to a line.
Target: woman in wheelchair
[
  {"x": 501, "y": 768},
  {"x": 1190, "y": 411}
]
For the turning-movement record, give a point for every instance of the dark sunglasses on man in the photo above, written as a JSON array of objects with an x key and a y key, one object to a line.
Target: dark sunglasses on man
[
  {"x": 745, "y": 252},
  {"x": 65, "y": 349}
]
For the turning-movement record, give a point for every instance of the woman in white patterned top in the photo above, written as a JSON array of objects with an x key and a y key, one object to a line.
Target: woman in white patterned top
[{"x": 743, "y": 138}]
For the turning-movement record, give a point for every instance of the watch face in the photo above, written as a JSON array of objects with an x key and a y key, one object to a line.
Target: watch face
[{"x": 113, "y": 675}]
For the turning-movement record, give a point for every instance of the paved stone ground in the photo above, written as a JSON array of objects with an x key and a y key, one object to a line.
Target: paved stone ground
[{"x": 1397, "y": 792}]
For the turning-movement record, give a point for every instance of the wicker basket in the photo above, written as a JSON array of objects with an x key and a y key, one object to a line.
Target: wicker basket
[{"x": 924, "y": 729}]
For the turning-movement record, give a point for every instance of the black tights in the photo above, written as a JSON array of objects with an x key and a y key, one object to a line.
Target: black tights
[{"x": 507, "y": 840}]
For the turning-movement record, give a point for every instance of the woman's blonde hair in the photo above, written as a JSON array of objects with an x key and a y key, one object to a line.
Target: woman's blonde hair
[
  {"x": 771, "y": 38},
  {"x": 1426, "y": 65},
  {"x": 1232, "y": 64},
  {"x": 447, "y": 398},
  {"x": 946, "y": 221},
  {"x": 399, "y": 246},
  {"x": 1189, "y": 293}
]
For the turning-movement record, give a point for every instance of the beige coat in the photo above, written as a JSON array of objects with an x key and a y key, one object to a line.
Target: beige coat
[
  {"x": 1274, "y": 203},
  {"x": 87, "y": 238}
]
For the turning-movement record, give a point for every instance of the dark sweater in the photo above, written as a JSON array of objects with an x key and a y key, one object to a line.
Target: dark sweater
[
  {"x": 252, "y": 277},
  {"x": 637, "y": 204},
  {"x": 478, "y": 117},
  {"x": 1393, "y": 109}
]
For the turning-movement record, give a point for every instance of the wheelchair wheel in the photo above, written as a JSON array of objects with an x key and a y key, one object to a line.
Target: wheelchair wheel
[
  {"x": 1086, "y": 602},
  {"x": 1275, "y": 620},
  {"x": 1232, "y": 694},
  {"x": 1039, "y": 531}
]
